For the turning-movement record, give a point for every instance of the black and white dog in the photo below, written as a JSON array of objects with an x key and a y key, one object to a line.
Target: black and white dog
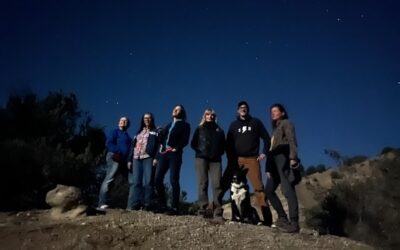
[{"x": 242, "y": 211}]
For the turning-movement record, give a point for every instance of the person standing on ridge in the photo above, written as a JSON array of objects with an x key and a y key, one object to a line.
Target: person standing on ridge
[
  {"x": 243, "y": 145},
  {"x": 282, "y": 161},
  {"x": 118, "y": 144},
  {"x": 175, "y": 137},
  {"x": 209, "y": 144},
  {"x": 140, "y": 164}
]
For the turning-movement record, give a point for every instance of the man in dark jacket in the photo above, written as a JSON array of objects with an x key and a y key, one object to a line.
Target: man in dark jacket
[
  {"x": 243, "y": 145},
  {"x": 118, "y": 144},
  {"x": 175, "y": 137}
]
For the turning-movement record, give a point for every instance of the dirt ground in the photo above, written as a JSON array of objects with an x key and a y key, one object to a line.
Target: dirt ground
[{"x": 120, "y": 229}]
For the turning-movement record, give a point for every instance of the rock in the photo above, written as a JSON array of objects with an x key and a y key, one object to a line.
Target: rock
[
  {"x": 391, "y": 155},
  {"x": 65, "y": 202}
]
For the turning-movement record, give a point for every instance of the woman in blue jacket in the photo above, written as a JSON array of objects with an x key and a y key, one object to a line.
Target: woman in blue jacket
[
  {"x": 118, "y": 144},
  {"x": 140, "y": 164}
]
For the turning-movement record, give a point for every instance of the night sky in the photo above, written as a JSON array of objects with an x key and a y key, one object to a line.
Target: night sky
[{"x": 335, "y": 65}]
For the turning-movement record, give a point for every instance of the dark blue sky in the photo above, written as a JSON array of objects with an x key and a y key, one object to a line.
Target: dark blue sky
[{"x": 335, "y": 65}]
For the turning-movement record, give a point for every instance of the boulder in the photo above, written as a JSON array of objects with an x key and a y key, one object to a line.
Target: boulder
[{"x": 65, "y": 202}]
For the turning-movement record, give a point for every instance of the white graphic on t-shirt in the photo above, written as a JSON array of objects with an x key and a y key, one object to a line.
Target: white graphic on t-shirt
[{"x": 244, "y": 129}]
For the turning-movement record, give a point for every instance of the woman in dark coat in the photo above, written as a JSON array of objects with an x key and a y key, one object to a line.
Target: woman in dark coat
[{"x": 209, "y": 142}]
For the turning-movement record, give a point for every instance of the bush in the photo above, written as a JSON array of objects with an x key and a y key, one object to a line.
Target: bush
[
  {"x": 354, "y": 160},
  {"x": 318, "y": 169},
  {"x": 44, "y": 143},
  {"x": 311, "y": 170},
  {"x": 365, "y": 211},
  {"x": 390, "y": 149},
  {"x": 336, "y": 175}
]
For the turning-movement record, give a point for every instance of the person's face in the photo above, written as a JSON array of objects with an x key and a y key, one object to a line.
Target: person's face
[
  {"x": 210, "y": 117},
  {"x": 243, "y": 111},
  {"x": 123, "y": 123},
  {"x": 147, "y": 120},
  {"x": 276, "y": 114},
  {"x": 176, "y": 111}
]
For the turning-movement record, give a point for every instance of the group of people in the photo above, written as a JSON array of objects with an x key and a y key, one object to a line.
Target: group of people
[{"x": 153, "y": 151}]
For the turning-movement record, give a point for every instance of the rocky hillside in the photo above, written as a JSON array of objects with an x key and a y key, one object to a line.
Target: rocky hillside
[
  {"x": 66, "y": 226},
  {"x": 120, "y": 229},
  {"x": 315, "y": 187}
]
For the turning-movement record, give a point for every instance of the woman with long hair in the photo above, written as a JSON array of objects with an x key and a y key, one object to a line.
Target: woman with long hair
[
  {"x": 282, "y": 159},
  {"x": 140, "y": 164},
  {"x": 175, "y": 136}
]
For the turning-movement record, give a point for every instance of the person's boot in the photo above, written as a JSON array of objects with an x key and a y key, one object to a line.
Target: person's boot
[
  {"x": 287, "y": 227},
  {"x": 173, "y": 211},
  {"x": 281, "y": 222},
  {"x": 294, "y": 226},
  {"x": 201, "y": 212},
  {"x": 209, "y": 214},
  {"x": 160, "y": 209}
]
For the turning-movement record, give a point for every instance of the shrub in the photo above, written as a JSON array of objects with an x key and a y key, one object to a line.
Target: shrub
[
  {"x": 336, "y": 175},
  {"x": 387, "y": 150},
  {"x": 311, "y": 170},
  {"x": 318, "y": 169},
  {"x": 365, "y": 211},
  {"x": 354, "y": 160},
  {"x": 43, "y": 143}
]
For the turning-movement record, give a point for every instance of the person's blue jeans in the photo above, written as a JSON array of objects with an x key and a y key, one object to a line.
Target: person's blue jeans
[
  {"x": 140, "y": 183},
  {"x": 112, "y": 168},
  {"x": 172, "y": 161}
]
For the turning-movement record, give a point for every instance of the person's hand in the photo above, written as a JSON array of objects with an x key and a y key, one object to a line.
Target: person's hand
[
  {"x": 261, "y": 157},
  {"x": 116, "y": 157},
  {"x": 155, "y": 162},
  {"x": 294, "y": 164},
  {"x": 268, "y": 175},
  {"x": 129, "y": 165},
  {"x": 173, "y": 150}
]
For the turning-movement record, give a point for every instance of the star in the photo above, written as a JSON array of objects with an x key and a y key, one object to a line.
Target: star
[{"x": 338, "y": 19}]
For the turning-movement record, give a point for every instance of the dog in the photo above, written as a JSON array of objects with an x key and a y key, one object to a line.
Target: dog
[{"x": 242, "y": 211}]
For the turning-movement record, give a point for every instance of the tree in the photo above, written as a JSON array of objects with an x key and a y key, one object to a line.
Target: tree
[
  {"x": 335, "y": 156},
  {"x": 43, "y": 143}
]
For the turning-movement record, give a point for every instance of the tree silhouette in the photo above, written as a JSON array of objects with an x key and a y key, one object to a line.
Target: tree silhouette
[{"x": 43, "y": 143}]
